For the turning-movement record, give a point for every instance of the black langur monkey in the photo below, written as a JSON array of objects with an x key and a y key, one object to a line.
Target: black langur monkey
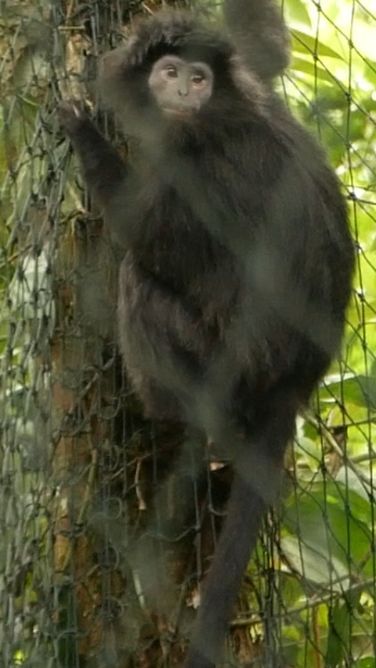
[{"x": 236, "y": 255}]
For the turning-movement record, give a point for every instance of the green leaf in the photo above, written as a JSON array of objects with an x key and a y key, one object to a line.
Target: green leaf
[
  {"x": 296, "y": 10},
  {"x": 313, "y": 565},
  {"x": 339, "y": 637},
  {"x": 367, "y": 662},
  {"x": 308, "y": 67},
  {"x": 309, "y": 45},
  {"x": 355, "y": 388},
  {"x": 331, "y": 527}
]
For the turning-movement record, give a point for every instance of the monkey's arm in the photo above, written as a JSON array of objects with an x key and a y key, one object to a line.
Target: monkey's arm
[
  {"x": 102, "y": 167},
  {"x": 260, "y": 34}
]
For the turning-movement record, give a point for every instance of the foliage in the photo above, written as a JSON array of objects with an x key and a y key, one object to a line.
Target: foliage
[{"x": 328, "y": 527}]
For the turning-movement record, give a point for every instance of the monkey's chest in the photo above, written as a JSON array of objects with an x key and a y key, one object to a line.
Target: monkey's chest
[
  {"x": 176, "y": 255},
  {"x": 175, "y": 245}
]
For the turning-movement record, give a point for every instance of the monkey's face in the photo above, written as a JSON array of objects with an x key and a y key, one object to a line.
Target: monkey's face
[{"x": 179, "y": 87}]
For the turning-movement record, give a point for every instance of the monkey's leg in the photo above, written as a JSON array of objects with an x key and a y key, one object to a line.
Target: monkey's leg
[
  {"x": 102, "y": 167},
  {"x": 157, "y": 554},
  {"x": 152, "y": 318},
  {"x": 258, "y": 465}
]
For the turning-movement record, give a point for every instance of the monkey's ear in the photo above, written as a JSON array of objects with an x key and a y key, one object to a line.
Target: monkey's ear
[
  {"x": 117, "y": 68},
  {"x": 135, "y": 51},
  {"x": 111, "y": 77},
  {"x": 112, "y": 64},
  {"x": 121, "y": 81}
]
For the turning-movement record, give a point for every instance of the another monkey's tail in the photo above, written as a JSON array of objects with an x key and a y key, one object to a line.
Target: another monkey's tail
[{"x": 246, "y": 508}]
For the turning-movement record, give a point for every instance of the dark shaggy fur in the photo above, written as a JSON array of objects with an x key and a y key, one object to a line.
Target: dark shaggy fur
[{"x": 236, "y": 260}]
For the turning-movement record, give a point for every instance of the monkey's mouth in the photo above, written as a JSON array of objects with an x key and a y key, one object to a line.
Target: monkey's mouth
[{"x": 183, "y": 113}]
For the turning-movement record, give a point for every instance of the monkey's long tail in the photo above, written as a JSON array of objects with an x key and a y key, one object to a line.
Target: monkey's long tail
[{"x": 246, "y": 508}]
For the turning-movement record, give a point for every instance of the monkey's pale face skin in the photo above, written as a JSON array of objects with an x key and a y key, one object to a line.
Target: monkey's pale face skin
[{"x": 180, "y": 88}]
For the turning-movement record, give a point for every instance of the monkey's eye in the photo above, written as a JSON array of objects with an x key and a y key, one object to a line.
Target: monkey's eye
[
  {"x": 198, "y": 78},
  {"x": 171, "y": 72}
]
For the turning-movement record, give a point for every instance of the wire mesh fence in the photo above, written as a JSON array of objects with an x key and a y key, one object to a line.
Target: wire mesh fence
[{"x": 106, "y": 527}]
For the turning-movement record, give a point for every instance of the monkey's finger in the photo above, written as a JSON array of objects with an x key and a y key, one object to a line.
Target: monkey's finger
[{"x": 71, "y": 114}]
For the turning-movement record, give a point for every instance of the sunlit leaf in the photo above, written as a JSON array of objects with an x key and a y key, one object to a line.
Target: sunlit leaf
[{"x": 306, "y": 43}]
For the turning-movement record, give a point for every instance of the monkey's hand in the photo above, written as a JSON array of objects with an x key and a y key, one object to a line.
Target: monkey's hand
[
  {"x": 72, "y": 116},
  {"x": 102, "y": 167}
]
